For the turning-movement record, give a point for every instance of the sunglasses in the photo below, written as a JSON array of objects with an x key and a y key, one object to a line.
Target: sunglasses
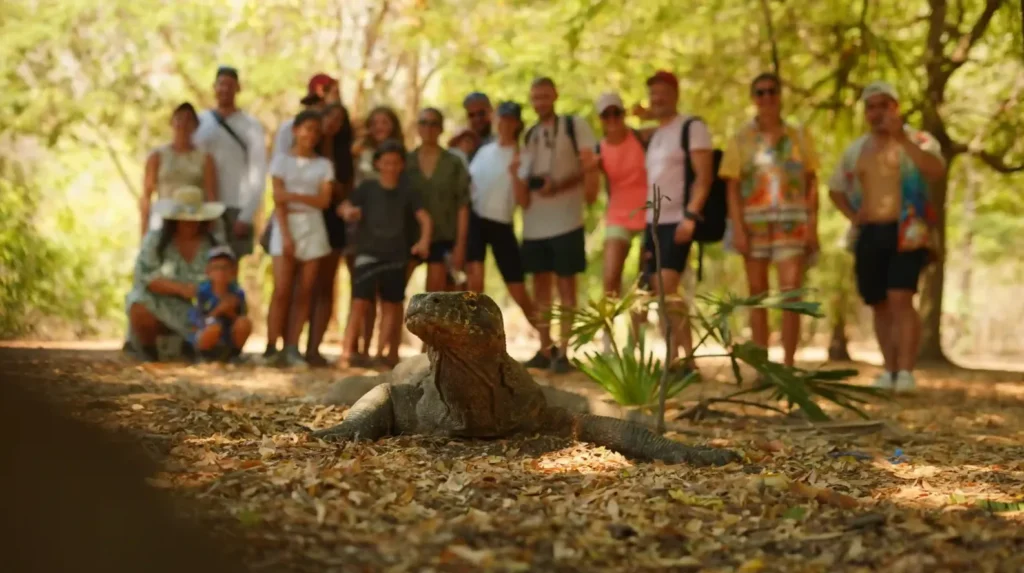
[
  {"x": 766, "y": 92},
  {"x": 478, "y": 113},
  {"x": 429, "y": 123},
  {"x": 613, "y": 112}
]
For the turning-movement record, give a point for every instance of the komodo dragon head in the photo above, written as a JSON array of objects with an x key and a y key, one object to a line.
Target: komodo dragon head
[{"x": 459, "y": 322}]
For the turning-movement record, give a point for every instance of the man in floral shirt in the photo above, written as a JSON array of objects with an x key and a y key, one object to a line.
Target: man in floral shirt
[{"x": 881, "y": 186}]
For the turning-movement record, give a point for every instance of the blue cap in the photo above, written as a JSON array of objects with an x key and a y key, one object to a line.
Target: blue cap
[
  {"x": 510, "y": 109},
  {"x": 476, "y": 97},
  {"x": 221, "y": 251}
]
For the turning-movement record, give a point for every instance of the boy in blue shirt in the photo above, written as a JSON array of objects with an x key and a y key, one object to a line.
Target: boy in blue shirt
[{"x": 219, "y": 315}]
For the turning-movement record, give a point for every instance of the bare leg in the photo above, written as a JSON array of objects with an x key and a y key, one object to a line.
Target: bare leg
[
  {"x": 567, "y": 296},
  {"x": 615, "y": 252},
  {"x": 392, "y": 312},
  {"x": 322, "y": 303},
  {"x": 284, "y": 270},
  {"x": 146, "y": 327},
  {"x": 884, "y": 334},
  {"x": 437, "y": 277},
  {"x": 240, "y": 332},
  {"x": 542, "y": 298},
  {"x": 904, "y": 317},
  {"x": 757, "y": 282},
  {"x": 209, "y": 337},
  {"x": 791, "y": 272},
  {"x": 349, "y": 346},
  {"x": 475, "y": 277},
  {"x": 307, "y": 272},
  {"x": 679, "y": 319}
]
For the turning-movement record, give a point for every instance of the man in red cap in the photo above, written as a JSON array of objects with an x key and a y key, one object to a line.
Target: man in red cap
[
  {"x": 683, "y": 192},
  {"x": 321, "y": 91}
]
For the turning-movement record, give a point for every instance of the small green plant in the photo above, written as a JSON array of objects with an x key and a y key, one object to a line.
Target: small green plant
[{"x": 632, "y": 375}]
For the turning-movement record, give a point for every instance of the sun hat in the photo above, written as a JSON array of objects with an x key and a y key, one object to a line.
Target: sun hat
[{"x": 187, "y": 204}]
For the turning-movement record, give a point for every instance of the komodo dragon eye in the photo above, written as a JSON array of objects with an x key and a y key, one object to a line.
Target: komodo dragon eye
[{"x": 471, "y": 304}]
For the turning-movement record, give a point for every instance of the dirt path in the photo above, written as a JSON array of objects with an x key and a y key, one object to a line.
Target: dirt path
[{"x": 233, "y": 438}]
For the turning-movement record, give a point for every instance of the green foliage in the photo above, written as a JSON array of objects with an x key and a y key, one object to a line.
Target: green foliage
[{"x": 631, "y": 375}]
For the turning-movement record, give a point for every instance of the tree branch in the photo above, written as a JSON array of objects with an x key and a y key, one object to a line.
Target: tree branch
[
  {"x": 766, "y": 11},
  {"x": 963, "y": 47}
]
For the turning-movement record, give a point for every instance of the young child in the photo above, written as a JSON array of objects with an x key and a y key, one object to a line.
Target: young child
[
  {"x": 382, "y": 253},
  {"x": 303, "y": 184},
  {"x": 220, "y": 313}
]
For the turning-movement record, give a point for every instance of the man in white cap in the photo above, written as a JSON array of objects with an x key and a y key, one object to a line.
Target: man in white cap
[{"x": 881, "y": 186}]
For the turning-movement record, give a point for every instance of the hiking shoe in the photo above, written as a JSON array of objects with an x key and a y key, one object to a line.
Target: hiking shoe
[
  {"x": 149, "y": 354},
  {"x": 884, "y": 381},
  {"x": 905, "y": 382},
  {"x": 293, "y": 358},
  {"x": 541, "y": 361}
]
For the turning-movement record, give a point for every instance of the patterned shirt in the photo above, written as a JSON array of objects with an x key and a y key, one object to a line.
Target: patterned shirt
[
  {"x": 773, "y": 181},
  {"x": 207, "y": 300},
  {"x": 917, "y": 215}
]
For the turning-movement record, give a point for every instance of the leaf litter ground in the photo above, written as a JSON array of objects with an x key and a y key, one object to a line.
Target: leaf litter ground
[{"x": 936, "y": 485}]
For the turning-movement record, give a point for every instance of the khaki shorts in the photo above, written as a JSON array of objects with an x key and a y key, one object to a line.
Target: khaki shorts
[{"x": 621, "y": 233}]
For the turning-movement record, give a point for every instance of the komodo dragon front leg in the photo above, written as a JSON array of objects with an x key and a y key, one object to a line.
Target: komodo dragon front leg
[
  {"x": 633, "y": 440},
  {"x": 370, "y": 418}
]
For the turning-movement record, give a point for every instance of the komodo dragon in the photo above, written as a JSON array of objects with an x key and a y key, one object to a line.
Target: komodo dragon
[{"x": 472, "y": 388}]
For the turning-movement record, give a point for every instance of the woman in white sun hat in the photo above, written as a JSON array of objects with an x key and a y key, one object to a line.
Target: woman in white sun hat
[{"x": 169, "y": 265}]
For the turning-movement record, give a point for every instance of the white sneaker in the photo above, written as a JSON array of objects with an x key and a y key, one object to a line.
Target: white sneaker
[
  {"x": 905, "y": 382},
  {"x": 884, "y": 381}
]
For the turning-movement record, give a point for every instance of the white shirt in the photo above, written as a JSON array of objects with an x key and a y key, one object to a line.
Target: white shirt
[
  {"x": 302, "y": 176},
  {"x": 240, "y": 183},
  {"x": 666, "y": 166},
  {"x": 284, "y": 139},
  {"x": 491, "y": 188},
  {"x": 547, "y": 154}
]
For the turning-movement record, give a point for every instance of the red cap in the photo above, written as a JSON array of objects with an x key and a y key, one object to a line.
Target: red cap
[
  {"x": 316, "y": 83},
  {"x": 665, "y": 77}
]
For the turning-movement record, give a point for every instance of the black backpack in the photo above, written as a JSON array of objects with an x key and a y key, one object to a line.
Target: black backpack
[{"x": 716, "y": 210}]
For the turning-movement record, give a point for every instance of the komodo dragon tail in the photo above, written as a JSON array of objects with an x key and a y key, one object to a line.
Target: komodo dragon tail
[{"x": 635, "y": 441}]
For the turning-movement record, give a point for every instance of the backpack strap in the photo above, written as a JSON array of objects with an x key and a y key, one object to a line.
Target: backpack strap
[
  {"x": 529, "y": 133},
  {"x": 688, "y": 179},
  {"x": 570, "y": 130},
  {"x": 231, "y": 132}
]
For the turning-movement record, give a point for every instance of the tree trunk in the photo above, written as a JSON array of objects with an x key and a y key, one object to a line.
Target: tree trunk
[{"x": 930, "y": 304}]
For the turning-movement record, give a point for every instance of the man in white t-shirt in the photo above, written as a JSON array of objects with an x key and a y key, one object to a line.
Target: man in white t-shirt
[
  {"x": 552, "y": 176},
  {"x": 235, "y": 139},
  {"x": 666, "y": 169}
]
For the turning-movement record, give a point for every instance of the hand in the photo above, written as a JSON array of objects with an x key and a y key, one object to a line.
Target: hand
[
  {"x": 740, "y": 241},
  {"x": 288, "y": 248},
  {"x": 684, "y": 231},
  {"x": 589, "y": 160},
  {"x": 513, "y": 167},
  {"x": 459, "y": 258},
  {"x": 421, "y": 249},
  {"x": 639, "y": 111},
  {"x": 280, "y": 195},
  {"x": 242, "y": 229},
  {"x": 351, "y": 213},
  {"x": 226, "y": 307},
  {"x": 548, "y": 190},
  {"x": 859, "y": 218}
]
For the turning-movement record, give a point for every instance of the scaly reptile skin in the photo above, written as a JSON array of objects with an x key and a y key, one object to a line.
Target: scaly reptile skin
[{"x": 471, "y": 388}]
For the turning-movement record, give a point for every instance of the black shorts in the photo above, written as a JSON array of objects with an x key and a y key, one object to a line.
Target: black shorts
[
  {"x": 565, "y": 254},
  {"x": 335, "y": 227},
  {"x": 383, "y": 278},
  {"x": 504, "y": 246},
  {"x": 880, "y": 266},
  {"x": 673, "y": 255},
  {"x": 438, "y": 251}
]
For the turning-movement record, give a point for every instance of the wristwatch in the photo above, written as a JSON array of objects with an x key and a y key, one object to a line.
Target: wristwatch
[{"x": 688, "y": 214}]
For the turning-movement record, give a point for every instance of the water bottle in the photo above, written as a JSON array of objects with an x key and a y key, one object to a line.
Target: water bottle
[{"x": 456, "y": 276}]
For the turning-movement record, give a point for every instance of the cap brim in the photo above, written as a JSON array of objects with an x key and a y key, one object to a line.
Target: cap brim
[
  {"x": 311, "y": 99},
  {"x": 167, "y": 209}
]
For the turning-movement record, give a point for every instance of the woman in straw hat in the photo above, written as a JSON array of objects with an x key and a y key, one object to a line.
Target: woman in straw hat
[{"x": 170, "y": 264}]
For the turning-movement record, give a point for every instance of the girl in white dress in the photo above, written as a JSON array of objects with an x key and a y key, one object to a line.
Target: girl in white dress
[{"x": 303, "y": 184}]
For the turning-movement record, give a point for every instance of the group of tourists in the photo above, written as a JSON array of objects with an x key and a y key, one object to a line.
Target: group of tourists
[{"x": 385, "y": 210}]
